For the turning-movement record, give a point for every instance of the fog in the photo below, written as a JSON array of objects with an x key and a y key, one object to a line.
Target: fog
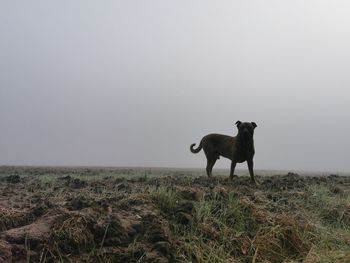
[{"x": 134, "y": 83}]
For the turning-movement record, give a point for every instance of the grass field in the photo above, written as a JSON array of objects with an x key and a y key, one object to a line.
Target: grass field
[{"x": 171, "y": 215}]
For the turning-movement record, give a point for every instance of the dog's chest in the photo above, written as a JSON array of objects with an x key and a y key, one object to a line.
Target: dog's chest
[{"x": 244, "y": 152}]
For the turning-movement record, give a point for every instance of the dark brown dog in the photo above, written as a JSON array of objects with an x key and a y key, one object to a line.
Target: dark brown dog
[{"x": 238, "y": 149}]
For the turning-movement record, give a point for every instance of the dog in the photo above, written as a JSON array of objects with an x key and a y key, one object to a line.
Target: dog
[{"x": 238, "y": 149}]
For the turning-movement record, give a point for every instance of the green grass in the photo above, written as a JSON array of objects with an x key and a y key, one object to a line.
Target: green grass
[
  {"x": 225, "y": 212},
  {"x": 328, "y": 206},
  {"x": 333, "y": 246},
  {"x": 167, "y": 199},
  {"x": 217, "y": 224}
]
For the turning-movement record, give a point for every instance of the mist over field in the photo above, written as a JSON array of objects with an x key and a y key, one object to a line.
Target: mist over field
[{"x": 134, "y": 83}]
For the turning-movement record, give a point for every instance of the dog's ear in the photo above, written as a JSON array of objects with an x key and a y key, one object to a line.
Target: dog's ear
[
  {"x": 238, "y": 123},
  {"x": 254, "y": 125}
]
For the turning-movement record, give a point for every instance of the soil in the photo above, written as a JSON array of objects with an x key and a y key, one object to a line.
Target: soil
[{"x": 109, "y": 215}]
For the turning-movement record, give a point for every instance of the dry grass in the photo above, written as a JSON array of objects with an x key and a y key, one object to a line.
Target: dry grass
[{"x": 11, "y": 218}]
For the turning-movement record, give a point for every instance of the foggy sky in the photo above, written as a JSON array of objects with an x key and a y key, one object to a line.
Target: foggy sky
[{"x": 134, "y": 83}]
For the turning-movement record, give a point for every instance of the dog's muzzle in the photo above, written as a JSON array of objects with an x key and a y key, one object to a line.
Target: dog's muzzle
[{"x": 246, "y": 135}]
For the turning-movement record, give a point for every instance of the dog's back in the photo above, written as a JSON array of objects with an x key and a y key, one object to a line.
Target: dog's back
[{"x": 218, "y": 145}]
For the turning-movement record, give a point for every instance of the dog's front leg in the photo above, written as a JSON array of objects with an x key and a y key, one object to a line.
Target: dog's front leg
[
  {"x": 232, "y": 171},
  {"x": 251, "y": 171}
]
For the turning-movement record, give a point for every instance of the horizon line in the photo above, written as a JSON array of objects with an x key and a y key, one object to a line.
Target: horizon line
[{"x": 140, "y": 167}]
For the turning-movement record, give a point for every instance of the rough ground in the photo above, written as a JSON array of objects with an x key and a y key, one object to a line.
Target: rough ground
[{"x": 127, "y": 215}]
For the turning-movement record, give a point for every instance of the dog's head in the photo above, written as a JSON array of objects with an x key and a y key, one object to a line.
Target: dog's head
[{"x": 246, "y": 129}]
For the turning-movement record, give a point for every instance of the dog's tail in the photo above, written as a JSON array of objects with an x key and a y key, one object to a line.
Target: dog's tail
[{"x": 196, "y": 150}]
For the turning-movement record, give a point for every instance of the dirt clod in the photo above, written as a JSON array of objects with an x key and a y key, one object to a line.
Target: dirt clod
[
  {"x": 78, "y": 204},
  {"x": 5, "y": 252}
]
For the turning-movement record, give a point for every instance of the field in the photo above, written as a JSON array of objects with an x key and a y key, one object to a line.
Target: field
[{"x": 168, "y": 215}]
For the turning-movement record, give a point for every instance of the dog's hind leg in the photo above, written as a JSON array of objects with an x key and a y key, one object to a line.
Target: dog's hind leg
[
  {"x": 210, "y": 163},
  {"x": 232, "y": 171}
]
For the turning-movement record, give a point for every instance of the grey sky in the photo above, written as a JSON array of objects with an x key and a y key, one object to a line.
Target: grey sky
[{"x": 134, "y": 83}]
